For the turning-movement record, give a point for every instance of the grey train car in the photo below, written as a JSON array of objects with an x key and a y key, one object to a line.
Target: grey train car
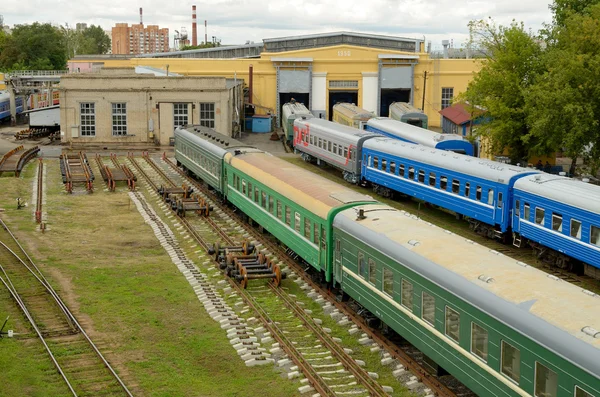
[
  {"x": 335, "y": 144},
  {"x": 290, "y": 112}
]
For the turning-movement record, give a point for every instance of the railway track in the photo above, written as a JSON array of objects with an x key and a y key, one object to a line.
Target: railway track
[
  {"x": 329, "y": 368},
  {"x": 79, "y": 362},
  {"x": 39, "y": 192}
]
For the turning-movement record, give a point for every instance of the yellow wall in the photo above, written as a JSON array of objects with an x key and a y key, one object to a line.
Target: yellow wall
[
  {"x": 2, "y": 85},
  {"x": 342, "y": 62}
]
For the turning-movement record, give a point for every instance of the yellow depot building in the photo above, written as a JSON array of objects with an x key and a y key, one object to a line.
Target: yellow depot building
[{"x": 320, "y": 70}]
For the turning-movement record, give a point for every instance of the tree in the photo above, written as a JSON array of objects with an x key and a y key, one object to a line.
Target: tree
[
  {"x": 563, "y": 9},
  {"x": 93, "y": 40},
  {"x": 36, "y": 46},
  {"x": 511, "y": 66},
  {"x": 563, "y": 106}
]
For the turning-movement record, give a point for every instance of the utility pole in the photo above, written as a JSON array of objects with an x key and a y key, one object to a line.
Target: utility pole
[{"x": 424, "y": 86}]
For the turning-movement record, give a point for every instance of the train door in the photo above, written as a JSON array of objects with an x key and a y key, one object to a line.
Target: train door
[
  {"x": 499, "y": 216},
  {"x": 337, "y": 262}
]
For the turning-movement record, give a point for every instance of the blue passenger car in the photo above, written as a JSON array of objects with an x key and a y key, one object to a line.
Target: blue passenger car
[
  {"x": 559, "y": 213},
  {"x": 5, "y": 105},
  {"x": 410, "y": 133},
  {"x": 478, "y": 189}
]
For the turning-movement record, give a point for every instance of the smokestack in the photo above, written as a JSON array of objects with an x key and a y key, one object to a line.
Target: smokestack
[
  {"x": 194, "y": 34},
  {"x": 141, "y": 21},
  {"x": 205, "y": 33}
]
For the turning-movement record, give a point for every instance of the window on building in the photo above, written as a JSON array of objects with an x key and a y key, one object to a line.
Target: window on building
[
  {"x": 362, "y": 267},
  {"x": 452, "y": 324},
  {"x": 479, "y": 341},
  {"x": 539, "y": 215},
  {"x": 406, "y": 298},
  {"x": 119, "y": 119},
  {"x": 579, "y": 392},
  {"x": 526, "y": 211},
  {"x": 180, "y": 114},
  {"x": 307, "y": 228},
  {"x": 557, "y": 222},
  {"x": 576, "y": 228},
  {"x": 467, "y": 189},
  {"x": 595, "y": 235},
  {"x": 372, "y": 271},
  {"x": 428, "y": 309},
  {"x": 511, "y": 362},
  {"x": 432, "y": 179},
  {"x": 388, "y": 281},
  {"x": 455, "y": 186},
  {"x": 288, "y": 216},
  {"x": 447, "y": 95},
  {"x": 87, "y": 112},
  {"x": 207, "y": 115},
  {"x": 546, "y": 381},
  {"x": 517, "y": 208}
]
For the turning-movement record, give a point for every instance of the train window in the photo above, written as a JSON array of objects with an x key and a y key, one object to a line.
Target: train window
[
  {"x": 517, "y": 208},
  {"x": 443, "y": 182},
  {"x": 479, "y": 341},
  {"x": 249, "y": 190},
  {"x": 510, "y": 362},
  {"x": 490, "y": 199},
  {"x": 369, "y": 162},
  {"x": 297, "y": 222},
  {"x": 428, "y": 310},
  {"x": 307, "y": 228},
  {"x": 352, "y": 154},
  {"x": 335, "y": 148},
  {"x": 406, "y": 298},
  {"x": 557, "y": 222},
  {"x": 278, "y": 209},
  {"x": 411, "y": 172},
  {"x": 388, "y": 281},
  {"x": 575, "y": 228},
  {"x": 421, "y": 176},
  {"x": 455, "y": 186},
  {"x": 526, "y": 211},
  {"x": 595, "y": 235},
  {"x": 546, "y": 381},
  {"x": 271, "y": 204},
  {"x": 401, "y": 170},
  {"x": 323, "y": 239},
  {"x": 467, "y": 189},
  {"x": 320, "y": 143},
  {"x": 500, "y": 200},
  {"x": 384, "y": 164},
  {"x": 539, "y": 215},
  {"x": 288, "y": 216},
  {"x": 345, "y": 152},
  {"x": 579, "y": 392},
  {"x": 432, "y": 179},
  {"x": 340, "y": 150},
  {"x": 372, "y": 271},
  {"x": 256, "y": 195},
  {"x": 478, "y": 193},
  {"x": 243, "y": 186},
  {"x": 263, "y": 197},
  {"x": 375, "y": 162},
  {"x": 311, "y": 140},
  {"x": 452, "y": 324},
  {"x": 305, "y": 138},
  {"x": 392, "y": 167},
  {"x": 329, "y": 146},
  {"x": 362, "y": 269},
  {"x": 316, "y": 234}
]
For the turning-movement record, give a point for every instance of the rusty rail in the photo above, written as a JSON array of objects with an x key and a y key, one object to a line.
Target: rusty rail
[{"x": 40, "y": 192}]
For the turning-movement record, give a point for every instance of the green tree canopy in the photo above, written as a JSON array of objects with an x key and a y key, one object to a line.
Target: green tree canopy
[
  {"x": 92, "y": 40},
  {"x": 36, "y": 46},
  {"x": 563, "y": 9},
  {"x": 512, "y": 65}
]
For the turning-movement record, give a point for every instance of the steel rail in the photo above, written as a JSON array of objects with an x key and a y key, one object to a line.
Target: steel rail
[{"x": 40, "y": 192}]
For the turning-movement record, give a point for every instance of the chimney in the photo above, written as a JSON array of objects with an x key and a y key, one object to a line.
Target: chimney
[
  {"x": 445, "y": 43},
  {"x": 194, "y": 33},
  {"x": 141, "y": 21},
  {"x": 205, "y": 33}
]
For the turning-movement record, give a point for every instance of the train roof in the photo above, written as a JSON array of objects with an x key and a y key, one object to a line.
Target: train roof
[
  {"x": 412, "y": 133},
  {"x": 405, "y": 109},
  {"x": 214, "y": 141},
  {"x": 311, "y": 191},
  {"x": 481, "y": 168},
  {"x": 296, "y": 109},
  {"x": 528, "y": 300},
  {"x": 568, "y": 191},
  {"x": 353, "y": 111},
  {"x": 342, "y": 132}
]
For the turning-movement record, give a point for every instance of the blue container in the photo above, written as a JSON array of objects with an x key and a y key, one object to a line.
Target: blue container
[
  {"x": 261, "y": 124},
  {"x": 248, "y": 124}
]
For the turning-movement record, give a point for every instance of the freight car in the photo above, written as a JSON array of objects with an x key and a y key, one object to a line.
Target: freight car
[
  {"x": 499, "y": 326},
  {"x": 290, "y": 112},
  {"x": 409, "y": 133},
  {"x": 351, "y": 115},
  {"x": 407, "y": 113}
]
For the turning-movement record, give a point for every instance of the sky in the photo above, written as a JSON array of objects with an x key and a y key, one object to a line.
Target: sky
[{"x": 240, "y": 21}]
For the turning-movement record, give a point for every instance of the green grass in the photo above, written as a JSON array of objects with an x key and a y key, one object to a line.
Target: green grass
[{"x": 110, "y": 269}]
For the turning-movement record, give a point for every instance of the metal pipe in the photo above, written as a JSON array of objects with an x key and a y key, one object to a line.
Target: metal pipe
[{"x": 250, "y": 81}]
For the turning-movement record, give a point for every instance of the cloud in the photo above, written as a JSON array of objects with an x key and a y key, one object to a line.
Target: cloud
[{"x": 237, "y": 21}]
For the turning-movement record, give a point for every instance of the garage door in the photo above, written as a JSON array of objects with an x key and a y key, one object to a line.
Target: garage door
[{"x": 294, "y": 76}]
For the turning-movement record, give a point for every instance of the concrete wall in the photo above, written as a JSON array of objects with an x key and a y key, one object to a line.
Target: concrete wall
[
  {"x": 149, "y": 102},
  {"x": 343, "y": 62}
]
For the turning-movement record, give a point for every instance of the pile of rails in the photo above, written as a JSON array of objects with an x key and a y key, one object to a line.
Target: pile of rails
[
  {"x": 15, "y": 160},
  {"x": 35, "y": 133},
  {"x": 75, "y": 168},
  {"x": 119, "y": 173}
]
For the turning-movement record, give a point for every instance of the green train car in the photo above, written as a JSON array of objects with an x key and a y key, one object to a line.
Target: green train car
[
  {"x": 499, "y": 326},
  {"x": 290, "y": 112}
]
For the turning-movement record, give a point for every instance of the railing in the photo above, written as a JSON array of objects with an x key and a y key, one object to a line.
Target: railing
[{"x": 36, "y": 73}]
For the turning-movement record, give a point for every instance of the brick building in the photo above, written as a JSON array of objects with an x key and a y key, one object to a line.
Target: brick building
[
  {"x": 118, "y": 106},
  {"x": 139, "y": 39}
]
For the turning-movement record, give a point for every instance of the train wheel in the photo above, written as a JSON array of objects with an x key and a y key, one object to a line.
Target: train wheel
[
  {"x": 244, "y": 280},
  {"x": 277, "y": 280},
  {"x": 217, "y": 248}
]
